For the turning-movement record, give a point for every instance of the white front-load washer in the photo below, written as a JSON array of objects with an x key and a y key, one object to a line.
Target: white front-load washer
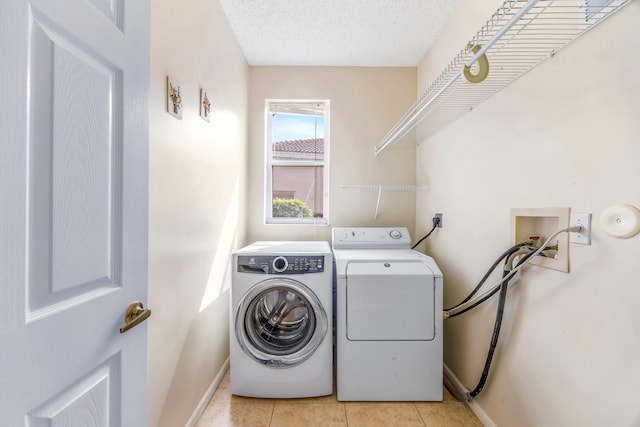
[
  {"x": 389, "y": 317},
  {"x": 280, "y": 327}
]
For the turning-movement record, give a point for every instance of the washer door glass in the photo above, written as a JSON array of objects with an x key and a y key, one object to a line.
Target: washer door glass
[{"x": 280, "y": 323}]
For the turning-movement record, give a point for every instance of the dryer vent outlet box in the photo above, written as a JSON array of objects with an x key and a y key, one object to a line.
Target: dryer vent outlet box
[{"x": 542, "y": 223}]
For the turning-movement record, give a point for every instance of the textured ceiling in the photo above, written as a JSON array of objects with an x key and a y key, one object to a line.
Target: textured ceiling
[{"x": 373, "y": 33}]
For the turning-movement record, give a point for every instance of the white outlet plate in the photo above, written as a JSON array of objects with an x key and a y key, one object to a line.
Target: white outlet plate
[{"x": 584, "y": 237}]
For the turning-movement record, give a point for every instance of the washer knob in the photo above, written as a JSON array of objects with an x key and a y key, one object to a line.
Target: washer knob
[
  {"x": 280, "y": 264},
  {"x": 395, "y": 234}
]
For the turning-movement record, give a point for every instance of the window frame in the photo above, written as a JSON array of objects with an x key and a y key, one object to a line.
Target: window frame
[{"x": 270, "y": 163}]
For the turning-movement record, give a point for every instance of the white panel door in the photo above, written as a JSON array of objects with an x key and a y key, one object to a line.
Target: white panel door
[{"x": 73, "y": 211}]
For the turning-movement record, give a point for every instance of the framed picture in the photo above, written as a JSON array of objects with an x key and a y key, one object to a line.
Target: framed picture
[
  {"x": 174, "y": 98},
  {"x": 205, "y": 105}
]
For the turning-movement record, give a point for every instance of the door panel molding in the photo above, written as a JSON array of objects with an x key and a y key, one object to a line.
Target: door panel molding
[
  {"x": 75, "y": 172},
  {"x": 91, "y": 400}
]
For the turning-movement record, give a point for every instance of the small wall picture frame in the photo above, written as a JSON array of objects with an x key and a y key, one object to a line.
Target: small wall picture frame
[
  {"x": 205, "y": 105},
  {"x": 174, "y": 98}
]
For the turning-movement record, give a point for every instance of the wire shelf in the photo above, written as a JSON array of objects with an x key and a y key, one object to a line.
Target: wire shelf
[
  {"x": 379, "y": 188},
  {"x": 518, "y": 36}
]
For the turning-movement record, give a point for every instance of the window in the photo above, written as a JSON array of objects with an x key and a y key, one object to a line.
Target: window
[{"x": 297, "y": 167}]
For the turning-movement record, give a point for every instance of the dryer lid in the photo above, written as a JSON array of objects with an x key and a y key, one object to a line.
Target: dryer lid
[{"x": 390, "y": 301}]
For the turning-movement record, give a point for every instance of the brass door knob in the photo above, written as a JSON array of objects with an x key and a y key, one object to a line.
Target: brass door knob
[{"x": 136, "y": 314}]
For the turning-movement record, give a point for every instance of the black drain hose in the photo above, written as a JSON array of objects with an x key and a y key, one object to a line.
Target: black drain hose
[
  {"x": 496, "y": 332},
  {"x": 494, "y": 339}
]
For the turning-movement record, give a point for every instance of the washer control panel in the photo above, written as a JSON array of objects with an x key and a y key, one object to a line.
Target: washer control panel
[
  {"x": 371, "y": 238},
  {"x": 281, "y": 264}
]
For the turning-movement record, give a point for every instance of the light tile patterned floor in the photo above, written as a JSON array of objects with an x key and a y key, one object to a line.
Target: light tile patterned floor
[{"x": 226, "y": 410}]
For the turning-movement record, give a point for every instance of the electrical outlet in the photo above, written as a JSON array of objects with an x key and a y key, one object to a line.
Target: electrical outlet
[
  {"x": 437, "y": 217},
  {"x": 584, "y": 237}
]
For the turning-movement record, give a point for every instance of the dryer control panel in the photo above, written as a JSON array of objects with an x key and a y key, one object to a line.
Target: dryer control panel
[
  {"x": 371, "y": 238},
  {"x": 281, "y": 264}
]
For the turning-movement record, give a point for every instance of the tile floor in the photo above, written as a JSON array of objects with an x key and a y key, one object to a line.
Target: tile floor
[{"x": 226, "y": 410}]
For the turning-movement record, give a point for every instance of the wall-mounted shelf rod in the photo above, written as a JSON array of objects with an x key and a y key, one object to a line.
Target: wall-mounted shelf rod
[
  {"x": 415, "y": 114},
  {"x": 517, "y": 37}
]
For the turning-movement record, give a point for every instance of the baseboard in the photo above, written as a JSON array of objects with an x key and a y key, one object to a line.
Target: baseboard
[
  {"x": 197, "y": 413},
  {"x": 458, "y": 389}
]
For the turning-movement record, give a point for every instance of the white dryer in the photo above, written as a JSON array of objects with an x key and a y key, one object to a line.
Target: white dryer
[
  {"x": 281, "y": 309},
  {"x": 389, "y": 317}
]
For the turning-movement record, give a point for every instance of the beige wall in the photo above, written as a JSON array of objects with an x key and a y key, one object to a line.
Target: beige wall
[
  {"x": 365, "y": 103},
  {"x": 565, "y": 134},
  {"x": 196, "y": 203}
]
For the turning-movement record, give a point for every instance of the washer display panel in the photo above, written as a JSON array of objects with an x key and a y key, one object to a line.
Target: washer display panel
[{"x": 280, "y": 323}]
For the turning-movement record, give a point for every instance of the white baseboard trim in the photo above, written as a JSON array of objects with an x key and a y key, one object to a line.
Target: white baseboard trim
[
  {"x": 459, "y": 390},
  {"x": 197, "y": 413}
]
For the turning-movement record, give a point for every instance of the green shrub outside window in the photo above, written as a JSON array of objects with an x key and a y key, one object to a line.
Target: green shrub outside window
[{"x": 290, "y": 208}]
